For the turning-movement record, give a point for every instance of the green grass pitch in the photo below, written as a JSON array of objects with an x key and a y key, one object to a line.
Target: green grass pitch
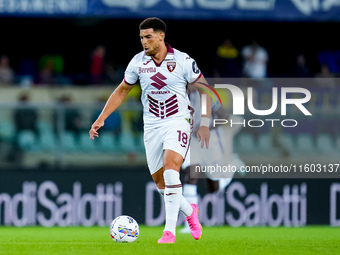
[{"x": 215, "y": 240}]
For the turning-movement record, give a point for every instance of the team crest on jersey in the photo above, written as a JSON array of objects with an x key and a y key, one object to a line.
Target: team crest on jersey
[{"x": 171, "y": 66}]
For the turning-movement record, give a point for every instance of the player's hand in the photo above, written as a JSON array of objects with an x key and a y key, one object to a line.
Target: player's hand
[
  {"x": 94, "y": 128},
  {"x": 203, "y": 135}
]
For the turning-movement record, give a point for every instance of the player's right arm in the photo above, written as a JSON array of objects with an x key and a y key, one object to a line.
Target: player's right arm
[{"x": 116, "y": 99}]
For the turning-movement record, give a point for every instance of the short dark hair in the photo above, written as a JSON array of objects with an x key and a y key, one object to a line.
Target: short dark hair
[{"x": 155, "y": 23}]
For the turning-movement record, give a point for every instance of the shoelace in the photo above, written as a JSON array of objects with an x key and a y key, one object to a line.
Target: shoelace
[{"x": 191, "y": 223}]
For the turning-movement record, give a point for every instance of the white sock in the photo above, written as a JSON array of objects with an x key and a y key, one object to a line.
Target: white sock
[
  {"x": 184, "y": 206},
  {"x": 190, "y": 193},
  {"x": 189, "y": 197},
  {"x": 172, "y": 199}
]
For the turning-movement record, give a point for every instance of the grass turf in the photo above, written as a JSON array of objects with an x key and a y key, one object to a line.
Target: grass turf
[{"x": 215, "y": 240}]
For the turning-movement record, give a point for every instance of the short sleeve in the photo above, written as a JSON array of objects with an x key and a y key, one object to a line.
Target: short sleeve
[
  {"x": 191, "y": 70},
  {"x": 131, "y": 75}
]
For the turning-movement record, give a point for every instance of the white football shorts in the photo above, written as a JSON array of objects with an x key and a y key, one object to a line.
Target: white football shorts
[{"x": 173, "y": 136}]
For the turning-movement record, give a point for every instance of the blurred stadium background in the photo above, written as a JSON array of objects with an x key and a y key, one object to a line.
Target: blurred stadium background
[{"x": 60, "y": 60}]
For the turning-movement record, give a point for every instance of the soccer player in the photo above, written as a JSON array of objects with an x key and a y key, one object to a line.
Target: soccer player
[{"x": 163, "y": 74}]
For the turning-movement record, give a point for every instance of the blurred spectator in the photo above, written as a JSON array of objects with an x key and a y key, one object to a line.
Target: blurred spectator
[
  {"x": 6, "y": 72},
  {"x": 113, "y": 123},
  {"x": 46, "y": 75},
  {"x": 72, "y": 117},
  {"x": 301, "y": 70},
  {"x": 255, "y": 59},
  {"x": 25, "y": 117},
  {"x": 97, "y": 64},
  {"x": 227, "y": 60},
  {"x": 325, "y": 78},
  {"x": 27, "y": 72},
  {"x": 51, "y": 68}
]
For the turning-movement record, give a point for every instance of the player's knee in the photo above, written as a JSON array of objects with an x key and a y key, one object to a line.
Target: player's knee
[
  {"x": 172, "y": 160},
  {"x": 171, "y": 177},
  {"x": 172, "y": 165}
]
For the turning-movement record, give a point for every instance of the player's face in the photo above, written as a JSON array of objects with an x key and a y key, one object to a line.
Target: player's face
[{"x": 151, "y": 41}]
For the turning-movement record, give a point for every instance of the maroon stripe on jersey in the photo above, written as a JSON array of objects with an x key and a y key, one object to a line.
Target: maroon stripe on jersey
[
  {"x": 196, "y": 79},
  {"x": 172, "y": 102},
  {"x": 153, "y": 108},
  {"x": 154, "y": 100},
  {"x": 171, "y": 98},
  {"x": 173, "y": 186},
  {"x": 128, "y": 83},
  {"x": 172, "y": 113},
  {"x": 172, "y": 108},
  {"x": 156, "y": 114},
  {"x": 153, "y": 104}
]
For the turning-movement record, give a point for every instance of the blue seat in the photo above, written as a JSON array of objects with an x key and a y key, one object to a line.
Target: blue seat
[
  {"x": 245, "y": 143},
  {"x": 265, "y": 143},
  {"x": 127, "y": 143},
  {"x": 48, "y": 140},
  {"x": 7, "y": 130},
  {"x": 44, "y": 126},
  {"x": 86, "y": 144},
  {"x": 68, "y": 142},
  {"x": 287, "y": 141},
  {"x": 140, "y": 142},
  {"x": 324, "y": 144},
  {"x": 107, "y": 142},
  {"x": 337, "y": 145},
  {"x": 27, "y": 140},
  {"x": 304, "y": 143}
]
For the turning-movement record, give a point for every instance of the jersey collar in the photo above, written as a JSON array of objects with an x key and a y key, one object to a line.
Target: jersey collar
[{"x": 169, "y": 55}]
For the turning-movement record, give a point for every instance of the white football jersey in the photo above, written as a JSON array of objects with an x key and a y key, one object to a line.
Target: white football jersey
[{"x": 164, "y": 85}]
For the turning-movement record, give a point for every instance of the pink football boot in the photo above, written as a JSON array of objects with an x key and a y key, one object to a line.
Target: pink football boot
[
  {"x": 194, "y": 224},
  {"x": 167, "y": 237}
]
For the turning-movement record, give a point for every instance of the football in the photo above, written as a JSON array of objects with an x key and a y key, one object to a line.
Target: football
[{"x": 124, "y": 229}]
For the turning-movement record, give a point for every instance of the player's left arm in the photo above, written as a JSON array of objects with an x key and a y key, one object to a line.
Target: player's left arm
[{"x": 203, "y": 132}]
